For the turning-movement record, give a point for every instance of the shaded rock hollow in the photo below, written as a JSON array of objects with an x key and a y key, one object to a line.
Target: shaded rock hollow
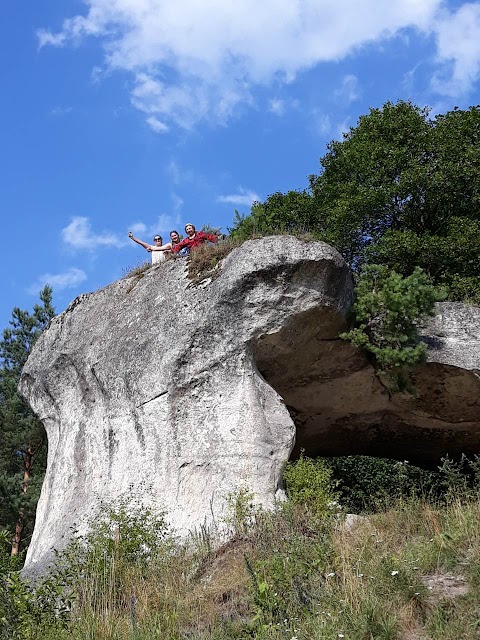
[{"x": 179, "y": 394}]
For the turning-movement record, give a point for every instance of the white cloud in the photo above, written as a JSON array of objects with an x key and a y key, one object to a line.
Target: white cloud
[
  {"x": 192, "y": 60},
  {"x": 277, "y": 107},
  {"x": 70, "y": 278},
  {"x": 79, "y": 235},
  {"x": 349, "y": 90},
  {"x": 244, "y": 197},
  {"x": 156, "y": 125},
  {"x": 458, "y": 51}
]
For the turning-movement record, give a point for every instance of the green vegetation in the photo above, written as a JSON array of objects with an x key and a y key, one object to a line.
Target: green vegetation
[
  {"x": 400, "y": 190},
  {"x": 368, "y": 485},
  {"x": 23, "y": 443},
  {"x": 387, "y": 311},
  {"x": 203, "y": 262},
  {"x": 296, "y": 572},
  {"x": 399, "y": 197}
]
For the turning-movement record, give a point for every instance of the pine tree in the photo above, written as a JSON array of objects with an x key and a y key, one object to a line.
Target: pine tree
[{"x": 23, "y": 442}]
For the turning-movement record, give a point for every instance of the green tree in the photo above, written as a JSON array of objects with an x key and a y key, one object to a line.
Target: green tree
[
  {"x": 23, "y": 444},
  {"x": 281, "y": 212},
  {"x": 388, "y": 310},
  {"x": 401, "y": 189}
]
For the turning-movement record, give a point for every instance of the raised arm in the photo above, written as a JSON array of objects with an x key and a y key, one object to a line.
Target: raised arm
[{"x": 140, "y": 242}]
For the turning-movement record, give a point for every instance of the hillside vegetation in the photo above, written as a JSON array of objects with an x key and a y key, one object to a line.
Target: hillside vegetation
[{"x": 409, "y": 571}]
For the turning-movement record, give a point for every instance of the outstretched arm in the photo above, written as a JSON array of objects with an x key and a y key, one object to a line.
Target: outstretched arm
[
  {"x": 211, "y": 237},
  {"x": 164, "y": 247},
  {"x": 140, "y": 242},
  {"x": 176, "y": 248}
]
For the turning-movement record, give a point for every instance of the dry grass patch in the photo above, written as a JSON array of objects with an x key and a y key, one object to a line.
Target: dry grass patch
[{"x": 204, "y": 261}]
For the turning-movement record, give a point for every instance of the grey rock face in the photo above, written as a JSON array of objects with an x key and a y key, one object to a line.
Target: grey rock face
[
  {"x": 180, "y": 394},
  {"x": 150, "y": 388}
]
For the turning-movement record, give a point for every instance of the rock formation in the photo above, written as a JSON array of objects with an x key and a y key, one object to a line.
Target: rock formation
[{"x": 180, "y": 393}]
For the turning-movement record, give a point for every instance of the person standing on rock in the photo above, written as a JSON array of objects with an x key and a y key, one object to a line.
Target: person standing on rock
[
  {"x": 194, "y": 239},
  {"x": 174, "y": 240},
  {"x": 157, "y": 256}
]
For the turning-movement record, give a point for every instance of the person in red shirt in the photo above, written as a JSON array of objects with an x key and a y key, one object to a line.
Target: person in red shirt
[{"x": 194, "y": 239}]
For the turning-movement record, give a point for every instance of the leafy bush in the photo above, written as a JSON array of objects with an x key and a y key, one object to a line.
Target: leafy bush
[
  {"x": 367, "y": 484},
  {"x": 309, "y": 484},
  {"x": 388, "y": 310}
]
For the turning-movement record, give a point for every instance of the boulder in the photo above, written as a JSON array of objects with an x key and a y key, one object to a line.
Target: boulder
[
  {"x": 149, "y": 387},
  {"x": 179, "y": 393}
]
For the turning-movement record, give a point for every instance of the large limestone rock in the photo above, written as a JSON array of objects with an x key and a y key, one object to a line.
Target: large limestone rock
[
  {"x": 149, "y": 387},
  {"x": 180, "y": 393}
]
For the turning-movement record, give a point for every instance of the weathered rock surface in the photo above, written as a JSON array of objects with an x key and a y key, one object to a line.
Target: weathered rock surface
[{"x": 179, "y": 394}]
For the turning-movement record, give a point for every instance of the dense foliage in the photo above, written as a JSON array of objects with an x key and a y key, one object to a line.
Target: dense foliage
[
  {"x": 387, "y": 310},
  {"x": 366, "y": 484},
  {"x": 401, "y": 190},
  {"x": 23, "y": 446}
]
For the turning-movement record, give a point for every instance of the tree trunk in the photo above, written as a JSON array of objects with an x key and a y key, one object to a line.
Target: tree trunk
[
  {"x": 27, "y": 469},
  {"x": 17, "y": 538},
  {"x": 20, "y": 524}
]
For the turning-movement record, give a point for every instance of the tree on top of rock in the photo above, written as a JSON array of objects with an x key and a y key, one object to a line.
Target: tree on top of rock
[{"x": 401, "y": 189}]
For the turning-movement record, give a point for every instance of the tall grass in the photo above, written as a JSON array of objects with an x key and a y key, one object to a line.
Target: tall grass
[{"x": 409, "y": 572}]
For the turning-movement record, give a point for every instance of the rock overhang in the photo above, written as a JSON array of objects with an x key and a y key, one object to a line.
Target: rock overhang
[{"x": 180, "y": 393}]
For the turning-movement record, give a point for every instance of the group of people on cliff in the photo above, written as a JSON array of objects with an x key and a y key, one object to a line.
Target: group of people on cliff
[{"x": 176, "y": 246}]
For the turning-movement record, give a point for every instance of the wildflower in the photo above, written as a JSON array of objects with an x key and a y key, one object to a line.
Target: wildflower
[{"x": 394, "y": 573}]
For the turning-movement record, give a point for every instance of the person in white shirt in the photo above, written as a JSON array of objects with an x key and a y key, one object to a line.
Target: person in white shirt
[{"x": 157, "y": 256}]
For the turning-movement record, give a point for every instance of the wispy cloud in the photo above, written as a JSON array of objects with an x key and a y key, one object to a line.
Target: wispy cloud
[
  {"x": 244, "y": 197},
  {"x": 61, "y": 111},
  {"x": 156, "y": 125},
  {"x": 79, "y": 235},
  {"x": 277, "y": 107},
  {"x": 58, "y": 281},
  {"x": 177, "y": 202},
  {"x": 321, "y": 122},
  {"x": 192, "y": 61},
  {"x": 349, "y": 90}
]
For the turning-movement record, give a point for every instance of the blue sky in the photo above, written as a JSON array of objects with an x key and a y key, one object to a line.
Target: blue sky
[{"x": 147, "y": 114}]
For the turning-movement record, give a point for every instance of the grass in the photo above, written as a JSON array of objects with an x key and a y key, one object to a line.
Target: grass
[
  {"x": 137, "y": 271},
  {"x": 289, "y": 574},
  {"x": 203, "y": 262}
]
